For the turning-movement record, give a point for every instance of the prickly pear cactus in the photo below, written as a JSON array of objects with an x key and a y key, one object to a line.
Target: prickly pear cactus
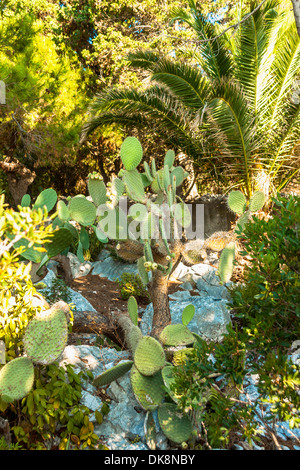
[
  {"x": 46, "y": 334},
  {"x": 149, "y": 356},
  {"x": 176, "y": 335},
  {"x": 131, "y": 153},
  {"x": 16, "y": 379},
  {"x": 151, "y": 376},
  {"x": 148, "y": 390},
  {"x": 176, "y": 425}
]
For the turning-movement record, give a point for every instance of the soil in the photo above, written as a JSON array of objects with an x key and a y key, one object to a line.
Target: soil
[{"x": 104, "y": 295}]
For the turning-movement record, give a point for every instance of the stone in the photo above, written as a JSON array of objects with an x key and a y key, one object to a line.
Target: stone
[
  {"x": 113, "y": 269},
  {"x": 82, "y": 304},
  {"x": 78, "y": 269},
  {"x": 210, "y": 320}
]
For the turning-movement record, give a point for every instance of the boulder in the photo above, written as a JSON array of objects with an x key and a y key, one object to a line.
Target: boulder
[{"x": 210, "y": 320}]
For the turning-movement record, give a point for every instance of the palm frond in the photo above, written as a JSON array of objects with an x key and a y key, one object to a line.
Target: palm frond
[
  {"x": 252, "y": 42},
  {"x": 185, "y": 82},
  {"x": 213, "y": 52},
  {"x": 285, "y": 70},
  {"x": 233, "y": 127},
  {"x": 154, "y": 108},
  {"x": 144, "y": 59}
]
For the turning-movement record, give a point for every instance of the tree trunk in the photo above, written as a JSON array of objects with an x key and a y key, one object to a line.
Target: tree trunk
[
  {"x": 18, "y": 177},
  {"x": 296, "y": 8},
  {"x": 94, "y": 322},
  {"x": 158, "y": 289}
]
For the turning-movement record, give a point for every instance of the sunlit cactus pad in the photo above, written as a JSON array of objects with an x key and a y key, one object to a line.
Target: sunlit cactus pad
[
  {"x": 82, "y": 210},
  {"x": 226, "y": 263},
  {"x": 257, "y": 201},
  {"x": 237, "y": 202},
  {"x": 176, "y": 425},
  {"x": 16, "y": 379},
  {"x": 131, "y": 153},
  {"x": 149, "y": 356},
  {"x": 176, "y": 335},
  {"x": 112, "y": 374},
  {"x": 148, "y": 390},
  {"x": 46, "y": 335}
]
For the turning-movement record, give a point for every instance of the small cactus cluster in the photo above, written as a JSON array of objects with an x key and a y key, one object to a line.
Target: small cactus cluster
[
  {"x": 44, "y": 341},
  {"x": 226, "y": 242},
  {"x": 151, "y": 373},
  {"x": 237, "y": 203}
]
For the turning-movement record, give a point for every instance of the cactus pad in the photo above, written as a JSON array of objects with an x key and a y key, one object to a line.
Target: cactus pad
[
  {"x": 16, "y": 379},
  {"x": 133, "y": 309},
  {"x": 257, "y": 201},
  {"x": 179, "y": 174},
  {"x": 148, "y": 390},
  {"x": 176, "y": 335},
  {"x": 63, "y": 211},
  {"x": 46, "y": 334},
  {"x": 26, "y": 200},
  {"x": 82, "y": 210},
  {"x": 134, "y": 185},
  {"x": 188, "y": 314},
  {"x": 176, "y": 425},
  {"x": 131, "y": 153},
  {"x": 169, "y": 158},
  {"x": 237, "y": 202},
  {"x": 149, "y": 356},
  {"x": 97, "y": 191},
  {"x": 112, "y": 374},
  {"x": 142, "y": 271},
  {"x": 47, "y": 198},
  {"x": 226, "y": 262}
]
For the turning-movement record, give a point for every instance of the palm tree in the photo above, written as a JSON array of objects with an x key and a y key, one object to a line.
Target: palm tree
[{"x": 236, "y": 107}]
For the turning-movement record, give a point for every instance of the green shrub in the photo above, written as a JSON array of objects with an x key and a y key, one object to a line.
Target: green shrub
[
  {"x": 132, "y": 285},
  {"x": 265, "y": 316},
  {"x": 17, "y": 293},
  {"x": 53, "y": 408},
  {"x": 268, "y": 301},
  {"x": 57, "y": 291}
]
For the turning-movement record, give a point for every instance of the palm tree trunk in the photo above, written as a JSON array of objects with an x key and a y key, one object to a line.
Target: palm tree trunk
[{"x": 296, "y": 7}]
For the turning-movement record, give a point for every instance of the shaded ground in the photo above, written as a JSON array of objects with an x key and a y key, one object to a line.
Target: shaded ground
[{"x": 104, "y": 295}]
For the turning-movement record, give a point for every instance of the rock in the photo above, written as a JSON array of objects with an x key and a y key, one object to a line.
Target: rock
[
  {"x": 125, "y": 420},
  {"x": 210, "y": 319},
  {"x": 113, "y": 269},
  {"x": 78, "y": 269},
  {"x": 77, "y": 299}
]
